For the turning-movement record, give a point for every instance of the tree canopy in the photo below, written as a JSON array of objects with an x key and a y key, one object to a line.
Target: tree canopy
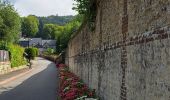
[
  {"x": 82, "y": 6},
  {"x": 53, "y": 19},
  {"x": 61, "y": 33},
  {"x": 30, "y": 26},
  {"x": 10, "y": 23},
  {"x": 68, "y": 30},
  {"x": 87, "y": 8},
  {"x": 52, "y": 31}
]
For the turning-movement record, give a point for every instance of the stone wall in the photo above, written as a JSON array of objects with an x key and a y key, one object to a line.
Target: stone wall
[
  {"x": 4, "y": 56},
  {"x": 4, "y": 62},
  {"x": 5, "y": 67},
  {"x": 127, "y": 57}
]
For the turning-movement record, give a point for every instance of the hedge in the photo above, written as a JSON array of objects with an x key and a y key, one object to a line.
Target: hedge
[
  {"x": 36, "y": 51},
  {"x": 16, "y": 55}
]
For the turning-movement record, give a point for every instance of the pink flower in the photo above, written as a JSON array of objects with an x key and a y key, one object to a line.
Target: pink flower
[{"x": 70, "y": 85}]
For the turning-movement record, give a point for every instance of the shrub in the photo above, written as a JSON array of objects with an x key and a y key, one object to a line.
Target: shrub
[
  {"x": 31, "y": 53},
  {"x": 3, "y": 45},
  {"x": 16, "y": 55},
  {"x": 50, "y": 51},
  {"x": 71, "y": 87},
  {"x": 36, "y": 51}
]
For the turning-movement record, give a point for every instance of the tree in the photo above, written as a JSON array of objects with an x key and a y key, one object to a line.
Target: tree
[
  {"x": 65, "y": 35},
  {"x": 49, "y": 31},
  {"x": 52, "y": 31},
  {"x": 40, "y": 31},
  {"x": 87, "y": 8},
  {"x": 82, "y": 6},
  {"x": 30, "y": 26},
  {"x": 10, "y": 23}
]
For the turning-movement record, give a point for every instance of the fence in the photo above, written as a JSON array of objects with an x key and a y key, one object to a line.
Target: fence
[{"x": 4, "y": 56}]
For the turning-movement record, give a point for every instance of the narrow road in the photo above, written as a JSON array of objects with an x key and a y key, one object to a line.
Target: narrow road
[{"x": 39, "y": 84}]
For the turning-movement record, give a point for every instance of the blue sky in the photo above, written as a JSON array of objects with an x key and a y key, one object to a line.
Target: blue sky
[{"x": 44, "y": 7}]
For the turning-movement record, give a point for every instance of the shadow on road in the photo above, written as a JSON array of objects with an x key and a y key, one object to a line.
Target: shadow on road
[{"x": 41, "y": 86}]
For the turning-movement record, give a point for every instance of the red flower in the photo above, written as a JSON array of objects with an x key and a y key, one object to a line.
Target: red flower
[{"x": 75, "y": 87}]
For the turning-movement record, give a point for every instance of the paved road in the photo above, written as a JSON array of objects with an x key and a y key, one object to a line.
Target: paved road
[{"x": 39, "y": 84}]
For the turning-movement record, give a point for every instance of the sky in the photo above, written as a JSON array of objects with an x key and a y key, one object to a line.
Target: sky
[{"x": 44, "y": 7}]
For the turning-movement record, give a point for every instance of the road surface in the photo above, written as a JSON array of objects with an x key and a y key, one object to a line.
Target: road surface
[{"x": 40, "y": 83}]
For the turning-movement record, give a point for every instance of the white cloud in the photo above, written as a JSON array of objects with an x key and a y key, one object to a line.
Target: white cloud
[{"x": 44, "y": 7}]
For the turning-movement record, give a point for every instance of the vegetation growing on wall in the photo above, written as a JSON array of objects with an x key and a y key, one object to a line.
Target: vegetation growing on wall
[{"x": 88, "y": 9}]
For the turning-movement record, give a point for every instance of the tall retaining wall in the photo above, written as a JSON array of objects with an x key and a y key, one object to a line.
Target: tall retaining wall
[{"x": 127, "y": 57}]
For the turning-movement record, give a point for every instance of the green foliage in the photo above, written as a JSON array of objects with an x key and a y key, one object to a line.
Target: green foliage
[
  {"x": 49, "y": 51},
  {"x": 16, "y": 55},
  {"x": 69, "y": 30},
  {"x": 55, "y": 20},
  {"x": 51, "y": 31},
  {"x": 30, "y": 26},
  {"x": 59, "y": 20},
  {"x": 31, "y": 53},
  {"x": 62, "y": 33},
  {"x": 3, "y": 45},
  {"x": 88, "y": 8},
  {"x": 10, "y": 23},
  {"x": 82, "y": 6},
  {"x": 36, "y": 51}
]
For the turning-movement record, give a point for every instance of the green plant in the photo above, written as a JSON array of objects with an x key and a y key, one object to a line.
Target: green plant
[
  {"x": 50, "y": 51},
  {"x": 16, "y": 55},
  {"x": 30, "y": 26},
  {"x": 36, "y": 51},
  {"x": 3, "y": 45},
  {"x": 10, "y": 22},
  {"x": 31, "y": 53},
  {"x": 88, "y": 8}
]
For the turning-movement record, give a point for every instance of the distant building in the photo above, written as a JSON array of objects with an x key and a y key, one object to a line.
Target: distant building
[
  {"x": 24, "y": 42},
  {"x": 48, "y": 44},
  {"x": 38, "y": 43},
  {"x": 35, "y": 41}
]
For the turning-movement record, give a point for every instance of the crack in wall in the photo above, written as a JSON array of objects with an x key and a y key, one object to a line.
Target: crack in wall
[{"x": 123, "y": 90}]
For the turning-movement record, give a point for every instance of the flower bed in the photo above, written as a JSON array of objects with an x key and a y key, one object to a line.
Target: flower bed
[{"x": 71, "y": 87}]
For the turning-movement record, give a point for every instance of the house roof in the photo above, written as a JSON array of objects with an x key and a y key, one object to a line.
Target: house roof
[
  {"x": 37, "y": 42},
  {"x": 49, "y": 42}
]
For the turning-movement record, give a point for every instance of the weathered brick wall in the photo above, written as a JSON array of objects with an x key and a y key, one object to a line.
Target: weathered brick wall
[{"x": 127, "y": 57}]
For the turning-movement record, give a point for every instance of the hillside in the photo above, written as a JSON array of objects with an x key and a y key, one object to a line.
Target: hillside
[{"x": 55, "y": 19}]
